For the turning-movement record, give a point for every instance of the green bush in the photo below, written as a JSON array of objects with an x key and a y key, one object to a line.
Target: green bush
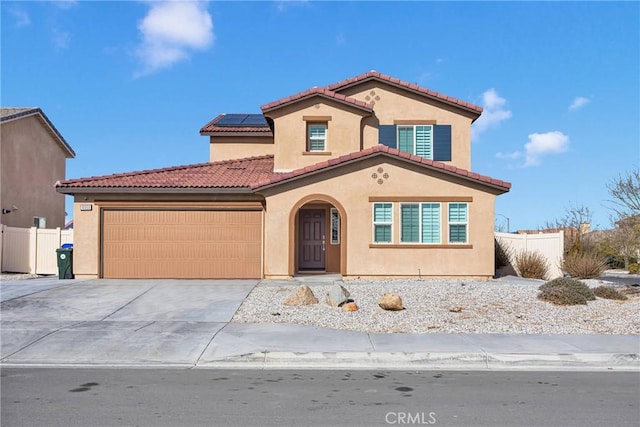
[
  {"x": 584, "y": 265},
  {"x": 562, "y": 296},
  {"x": 531, "y": 265},
  {"x": 609, "y": 292},
  {"x": 566, "y": 291},
  {"x": 634, "y": 268}
]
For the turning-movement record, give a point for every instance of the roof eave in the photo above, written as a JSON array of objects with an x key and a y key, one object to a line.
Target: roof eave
[
  {"x": 311, "y": 95},
  {"x": 473, "y": 111},
  {"x": 500, "y": 189},
  {"x": 217, "y": 133},
  {"x": 154, "y": 190}
]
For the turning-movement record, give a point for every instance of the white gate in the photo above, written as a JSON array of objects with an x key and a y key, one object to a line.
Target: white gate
[
  {"x": 549, "y": 245},
  {"x": 31, "y": 250}
]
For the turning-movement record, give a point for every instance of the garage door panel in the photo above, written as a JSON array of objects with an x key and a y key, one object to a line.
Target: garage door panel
[{"x": 181, "y": 244}]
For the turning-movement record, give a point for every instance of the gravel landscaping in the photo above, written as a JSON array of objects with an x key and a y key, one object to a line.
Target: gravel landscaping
[{"x": 445, "y": 306}]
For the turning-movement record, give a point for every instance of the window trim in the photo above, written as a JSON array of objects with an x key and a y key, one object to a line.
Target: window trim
[
  {"x": 465, "y": 223},
  {"x": 310, "y": 124},
  {"x": 375, "y": 223}
]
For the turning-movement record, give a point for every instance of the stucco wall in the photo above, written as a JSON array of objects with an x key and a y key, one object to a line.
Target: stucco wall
[
  {"x": 290, "y": 127},
  {"x": 31, "y": 163},
  {"x": 239, "y": 147},
  {"x": 393, "y": 104},
  {"x": 352, "y": 186}
]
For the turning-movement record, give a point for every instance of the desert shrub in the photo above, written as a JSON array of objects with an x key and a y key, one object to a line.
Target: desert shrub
[
  {"x": 584, "y": 265},
  {"x": 531, "y": 265},
  {"x": 562, "y": 296},
  {"x": 502, "y": 254},
  {"x": 608, "y": 292},
  {"x": 634, "y": 268},
  {"x": 566, "y": 291}
]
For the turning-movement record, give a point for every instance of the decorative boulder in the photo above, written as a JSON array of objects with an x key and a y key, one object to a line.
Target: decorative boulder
[
  {"x": 303, "y": 296},
  {"x": 390, "y": 302},
  {"x": 337, "y": 295},
  {"x": 350, "y": 306}
]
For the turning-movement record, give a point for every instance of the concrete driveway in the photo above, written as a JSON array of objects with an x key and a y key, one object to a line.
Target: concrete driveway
[{"x": 51, "y": 321}]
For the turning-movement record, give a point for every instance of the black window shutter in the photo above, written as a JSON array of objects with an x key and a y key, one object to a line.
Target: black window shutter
[
  {"x": 387, "y": 135},
  {"x": 442, "y": 143}
]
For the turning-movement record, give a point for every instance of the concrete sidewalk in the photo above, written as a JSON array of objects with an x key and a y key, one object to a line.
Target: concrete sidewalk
[{"x": 186, "y": 324}]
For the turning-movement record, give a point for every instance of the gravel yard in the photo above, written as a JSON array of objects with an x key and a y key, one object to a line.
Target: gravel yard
[{"x": 445, "y": 306}]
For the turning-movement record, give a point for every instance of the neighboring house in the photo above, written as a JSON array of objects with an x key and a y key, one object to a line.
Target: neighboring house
[
  {"x": 32, "y": 159},
  {"x": 368, "y": 177}
]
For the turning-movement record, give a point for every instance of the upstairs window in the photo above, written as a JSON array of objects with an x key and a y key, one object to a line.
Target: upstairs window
[
  {"x": 317, "y": 137},
  {"x": 416, "y": 140}
]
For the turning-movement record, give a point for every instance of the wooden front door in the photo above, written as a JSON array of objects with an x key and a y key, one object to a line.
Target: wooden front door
[{"x": 312, "y": 240}]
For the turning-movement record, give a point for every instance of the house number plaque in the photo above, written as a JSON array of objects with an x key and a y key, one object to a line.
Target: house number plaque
[{"x": 86, "y": 207}]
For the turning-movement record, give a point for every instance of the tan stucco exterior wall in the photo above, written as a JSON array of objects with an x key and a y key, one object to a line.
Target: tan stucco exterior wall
[
  {"x": 352, "y": 186},
  {"x": 239, "y": 147},
  {"x": 31, "y": 161},
  {"x": 344, "y": 134},
  {"x": 393, "y": 104},
  {"x": 86, "y": 238}
]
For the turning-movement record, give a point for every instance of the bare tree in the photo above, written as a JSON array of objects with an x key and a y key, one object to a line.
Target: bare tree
[
  {"x": 625, "y": 193},
  {"x": 625, "y": 203},
  {"x": 575, "y": 217},
  {"x": 575, "y": 222}
]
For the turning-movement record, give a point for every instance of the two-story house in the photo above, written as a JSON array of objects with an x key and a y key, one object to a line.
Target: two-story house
[
  {"x": 367, "y": 177},
  {"x": 33, "y": 157}
]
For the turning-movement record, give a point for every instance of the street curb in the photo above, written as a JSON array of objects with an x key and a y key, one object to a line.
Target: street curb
[{"x": 427, "y": 361}]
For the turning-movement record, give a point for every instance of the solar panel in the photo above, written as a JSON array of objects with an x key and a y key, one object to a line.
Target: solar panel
[
  {"x": 254, "y": 120},
  {"x": 232, "y": 120},
  {"x": 243, "y": 120}
]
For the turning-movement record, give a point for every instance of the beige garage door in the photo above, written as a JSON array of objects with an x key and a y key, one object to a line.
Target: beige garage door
[{"x": 181, "y": 244}]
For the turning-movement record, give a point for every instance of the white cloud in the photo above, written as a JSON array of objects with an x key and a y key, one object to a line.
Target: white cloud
[
  {"x": 541, "y": 144},
  {"x": 170, "y": 31},
  {"x": 494, "y": 112},
  {"x": 578, "y": 103},
  {"x": 60, "y": 39},
  {"x": 21, "y": 17}
]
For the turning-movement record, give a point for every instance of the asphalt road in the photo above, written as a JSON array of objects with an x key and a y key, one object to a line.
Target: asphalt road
[
  {"x": 150, "y": 397},
  {"x": 632, "y": 280}
]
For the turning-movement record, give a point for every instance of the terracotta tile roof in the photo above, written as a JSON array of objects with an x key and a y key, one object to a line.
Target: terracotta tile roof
[
  {"x": 336, "y": 87},
  {"x": 313, "y": 92},
  {"x": 383, "y": 150},
  {"x": 211, "y": 128},
  {"x": 228, "y": 174},
  {"x": 249, "y": 174}
]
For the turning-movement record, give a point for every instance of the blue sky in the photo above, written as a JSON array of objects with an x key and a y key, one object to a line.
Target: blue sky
[{"x": 130, "y": 83}]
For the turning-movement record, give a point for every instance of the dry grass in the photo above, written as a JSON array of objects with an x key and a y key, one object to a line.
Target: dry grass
[
  {"x": 531, "y": 265},
  {"x": 585, "y": 265}
]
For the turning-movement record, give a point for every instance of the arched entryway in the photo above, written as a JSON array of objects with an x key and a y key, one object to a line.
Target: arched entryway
[{"x": 318, "y": 236}]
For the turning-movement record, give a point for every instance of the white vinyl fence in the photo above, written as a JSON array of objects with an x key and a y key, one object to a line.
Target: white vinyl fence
[
  {"x": 31, "y": 250},
  {"x": 549, "y": 245}
]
